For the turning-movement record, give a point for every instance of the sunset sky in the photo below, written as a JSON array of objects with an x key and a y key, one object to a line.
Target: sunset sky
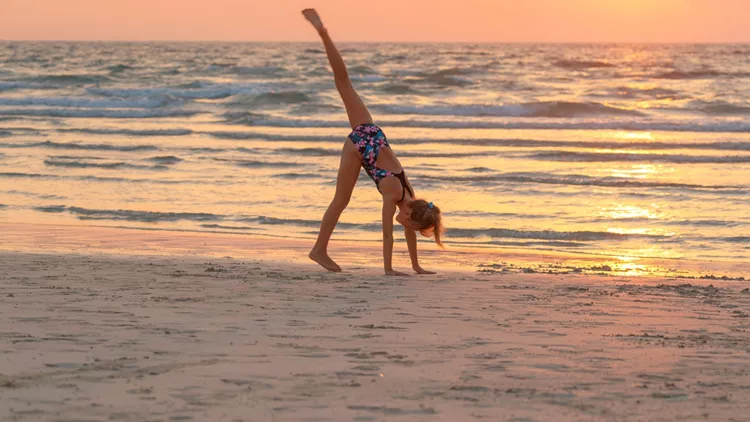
[{"x": 380, "y": 20}]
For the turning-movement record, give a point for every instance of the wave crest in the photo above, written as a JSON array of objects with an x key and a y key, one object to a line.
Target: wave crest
[
  {"x": 699, "y": 74},
  {"x": 84, "y": 102},
  {"x": 100, "y": 113},
  {"x": 79, "y": 146},
  {"x": 570, "y": 179},
  {"x": 268, "y": 99},
  {"x": 107, "y": 166},
  {"x": 130, "y": 215},
  {"x": 552, "y": 109},
  {"x": 573, "y": 64},
  {"x": 627, "y": 157}
]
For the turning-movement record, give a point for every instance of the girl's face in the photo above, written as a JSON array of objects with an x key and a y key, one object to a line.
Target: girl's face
[{"x": 404, "y": 217}]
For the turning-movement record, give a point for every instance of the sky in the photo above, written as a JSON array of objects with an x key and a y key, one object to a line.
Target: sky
[{"x": 380, "y": 20}]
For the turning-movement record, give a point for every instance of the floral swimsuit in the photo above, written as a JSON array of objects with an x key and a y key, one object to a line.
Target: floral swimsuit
[{"x": 369, "y": 139}]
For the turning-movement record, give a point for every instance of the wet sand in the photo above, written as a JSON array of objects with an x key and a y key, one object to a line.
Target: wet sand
[
  {"x": 349, "y": 253},
  {"x": 100, "y": 336}
]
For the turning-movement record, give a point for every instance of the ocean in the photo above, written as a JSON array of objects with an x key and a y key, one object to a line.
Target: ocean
[{"x": 624, "y": 152}]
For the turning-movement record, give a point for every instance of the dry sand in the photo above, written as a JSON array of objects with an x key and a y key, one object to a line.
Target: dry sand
[{"x": 106, "y": 337}]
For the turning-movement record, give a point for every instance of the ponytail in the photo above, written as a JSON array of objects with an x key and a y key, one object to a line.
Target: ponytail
[{"x": 427, "y": 217}]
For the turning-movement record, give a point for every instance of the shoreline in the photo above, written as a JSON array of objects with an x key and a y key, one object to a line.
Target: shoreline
[{"x": 88, "y": 239}]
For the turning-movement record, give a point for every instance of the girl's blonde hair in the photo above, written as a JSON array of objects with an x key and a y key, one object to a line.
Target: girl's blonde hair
[{"x": 426, "y": 217}]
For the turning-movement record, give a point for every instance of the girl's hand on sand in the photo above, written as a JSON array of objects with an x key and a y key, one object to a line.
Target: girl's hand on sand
[
  {"x": 394, "y": 272},
  {"x": 421, "y": 270},
  {"x": 312, "y": 16}
]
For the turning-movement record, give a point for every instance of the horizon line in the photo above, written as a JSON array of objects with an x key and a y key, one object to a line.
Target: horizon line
[{"x": 747, "y": 42}]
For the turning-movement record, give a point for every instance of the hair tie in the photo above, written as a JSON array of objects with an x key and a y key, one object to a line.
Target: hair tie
[{"x": 429, "y": 205}]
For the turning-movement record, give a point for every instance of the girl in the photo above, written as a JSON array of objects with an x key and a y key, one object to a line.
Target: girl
[{"x": 367, "y": 147}]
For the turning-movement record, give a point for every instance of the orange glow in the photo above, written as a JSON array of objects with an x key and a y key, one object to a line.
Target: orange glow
[
  {"x": 639, "y": 171},
  {"x": 621, "y": 211},
  {"x": 635, "y": 135},
  {"x": 640, "y": 230},
  {"x": 388, "y": 20}
]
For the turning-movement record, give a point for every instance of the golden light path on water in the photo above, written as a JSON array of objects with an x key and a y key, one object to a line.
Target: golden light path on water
[
  {"x": 638, "y": 256},
  {"x": 627, "y": 264},
  {"x": 634, "y": 261}
]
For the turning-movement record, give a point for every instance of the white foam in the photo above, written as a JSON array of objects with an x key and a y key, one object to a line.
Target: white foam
[
  {"x": 718, "y": 126},
  {"x": 7, "y": 86},
  {"x": 98, "y": 113},
  {"x": 144, "y": 102},
  {"x": 369, "y": 78},
  {"x": 535, "y": 109},
  {"x": 200, "y": 91}
]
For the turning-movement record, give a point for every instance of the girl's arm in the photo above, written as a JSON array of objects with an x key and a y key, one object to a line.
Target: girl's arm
[
  {"x": 411, "y": 241},
  {"x": 389, "y": 208}
]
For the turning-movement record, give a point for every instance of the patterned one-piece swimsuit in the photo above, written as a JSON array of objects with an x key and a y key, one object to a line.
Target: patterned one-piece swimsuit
[{"x": 369, "y": 139}]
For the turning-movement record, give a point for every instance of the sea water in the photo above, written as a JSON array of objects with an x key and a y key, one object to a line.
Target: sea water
[{"x": 625, "y": 151}]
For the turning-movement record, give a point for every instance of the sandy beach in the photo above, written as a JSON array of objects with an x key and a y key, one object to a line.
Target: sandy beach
[{"x": 99, "y": 335}]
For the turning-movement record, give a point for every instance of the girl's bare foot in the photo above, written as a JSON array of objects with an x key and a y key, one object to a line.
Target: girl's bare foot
[
  {"x": 312, "y": 16},
  {"x": 324, "y": 260}
]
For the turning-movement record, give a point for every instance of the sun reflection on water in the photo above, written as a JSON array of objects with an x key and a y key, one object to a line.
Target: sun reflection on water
[
  {"x": 638, "y": 171},
  {"x": 638, "y": 230},
  {"x": 634, "y": 135},
  {"x": 632, "y": 269},
  {"x": 622, "y": 211}
]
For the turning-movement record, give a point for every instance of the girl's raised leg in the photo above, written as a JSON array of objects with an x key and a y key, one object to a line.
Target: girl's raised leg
[{"x": 355, "y": 108}]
